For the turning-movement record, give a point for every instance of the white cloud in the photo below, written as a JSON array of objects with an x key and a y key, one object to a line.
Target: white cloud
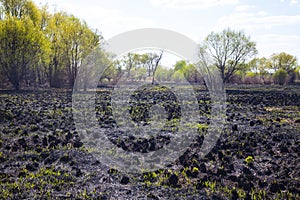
[
  {"x": 242, "y": 8},
  {"x": 109, "y": 21},
  {"x": 254, "y": 21},
  {"x": 115, "y": 22},
  {"x": 260, "y": 27},
  {"x": 268, "y": 44},
  {"x": 294, "y": 2},
  {"x": 192, "y": 4}
]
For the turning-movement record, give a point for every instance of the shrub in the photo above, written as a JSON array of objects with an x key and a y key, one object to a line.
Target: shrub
[
  {"x": 252, "y": 78},
  {"x": 280, "y": 77},
  {"x": 266, "y": 79},
  {"x": 251, "y": 74},
  {"x": 178, "y": 76},
  {"x": 292, "y": 75},
  {"x": 236, "y": 78}
]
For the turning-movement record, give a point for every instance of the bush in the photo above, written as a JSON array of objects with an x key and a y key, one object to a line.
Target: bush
[
  {"x": 252, "y": 78},
  {"x": 292, "y": 75},
  {"x": 267, "y": 80},
  {"x": 250, "y": 74},
  {"x": 178, "y": 76},
  {"x": 280, "y": 77},
  {"x": 236, "y": 79}
]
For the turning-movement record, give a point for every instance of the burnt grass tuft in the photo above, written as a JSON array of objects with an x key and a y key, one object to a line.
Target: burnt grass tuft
[{"x": 256, "y": 157}]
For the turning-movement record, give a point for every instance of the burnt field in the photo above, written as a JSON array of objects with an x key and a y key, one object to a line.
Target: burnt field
[{"x": 42, "y": 155}]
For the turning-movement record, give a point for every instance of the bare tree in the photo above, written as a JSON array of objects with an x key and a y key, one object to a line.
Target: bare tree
[
  {"x": 157, "y": 59},
  {"x": 130, "y": 61}
]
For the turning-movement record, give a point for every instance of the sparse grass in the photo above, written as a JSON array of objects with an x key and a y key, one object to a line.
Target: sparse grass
[
  {"x": 249, "y": 159},
  {"x": 43, "y": 182}
]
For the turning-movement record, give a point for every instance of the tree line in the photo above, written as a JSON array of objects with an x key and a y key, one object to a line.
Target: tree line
[
  {"x": 38, "y": 48},
  {"x": 43, "y": 49}
]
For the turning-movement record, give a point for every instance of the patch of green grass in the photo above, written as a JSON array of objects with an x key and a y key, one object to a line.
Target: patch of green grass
[
  {"x": 199, "y": 126},
  {"x": 42, "y": 182},
  {"x": 249, "y": 159}
]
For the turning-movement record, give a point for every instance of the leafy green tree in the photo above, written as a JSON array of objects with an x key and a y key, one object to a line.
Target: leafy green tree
[
  {"x": 44, "y": 47},
  {"x": 151, "y": 61},
  {"x": 180, "y": 70},
  {"x": 130, "y": 61},
  {"x": 244, "y": 68},
  {"x": 39, "y": 72},
  {"x": 260, "y": 67},
  {"x": 110, "y": 72},
  {"x": 253, "y": 66},
  {"x": 71, "y": 41},
  {"x": 118, "y": 66},
  {"x": 26, "y": 11},
  {"x": 139, "y": 73},
  {"x": 284, "y": 61},
  {"x": 192, "y": 74},
  {"x": 163, "y": 74},
  {"x": 178, "y": 76},
  {"x": 79, "y": 41},
  {"x": 143, "y": 62},
  {"x": 180, "y": 65},
  {"x": 189, "y": 71},
  {"x": 97, "y": 66},
  {"x": 54, "y": 32},
  {"x": 19, "y": 9},
  {"x": 21, "y": 45},
  {"x": 280, "y": 76},
  {"x": 228, "y": 49}
]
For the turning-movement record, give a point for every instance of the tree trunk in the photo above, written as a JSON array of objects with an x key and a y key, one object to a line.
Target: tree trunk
[{"x": 16, "y": 85}]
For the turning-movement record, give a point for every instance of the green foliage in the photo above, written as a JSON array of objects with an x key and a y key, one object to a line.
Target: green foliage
[
  {"x": 251, "y": 74},
  {"x": 163, "y": 74},
  {"x": 249, "y": 159},
  {"x": 260, "y": 70},
  {"x": 43, "y": 181},
  {"x": 280, "y": 76},
  {"x": 243, "y": 69},
  {"x": 180, "y": 65},
  {"x": 20, "y": 9},
  {"x": 90, "y": 70},
  {"x": 185, "y": 71},
  {"x": 71, "y": 42},
  {"x": 229, "y": 49},
  {"x": 195, "y": 169},
  {"x": 259, "y": 66},
  {"x": 178, "y": 76},
  {"x": 283, "y": 61},
  {"x": 21, "y": 44},
  {"x": 38, "y": 47}
]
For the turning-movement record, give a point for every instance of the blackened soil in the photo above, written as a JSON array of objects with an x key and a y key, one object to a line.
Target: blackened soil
[{"x": 257, "y": 155}]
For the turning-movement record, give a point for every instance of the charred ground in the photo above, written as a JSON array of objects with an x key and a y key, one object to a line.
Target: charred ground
[{"x": 257, "y": 155}]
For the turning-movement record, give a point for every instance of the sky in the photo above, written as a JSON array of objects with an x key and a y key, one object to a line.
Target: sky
[{"x": 272, "y": 24}]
